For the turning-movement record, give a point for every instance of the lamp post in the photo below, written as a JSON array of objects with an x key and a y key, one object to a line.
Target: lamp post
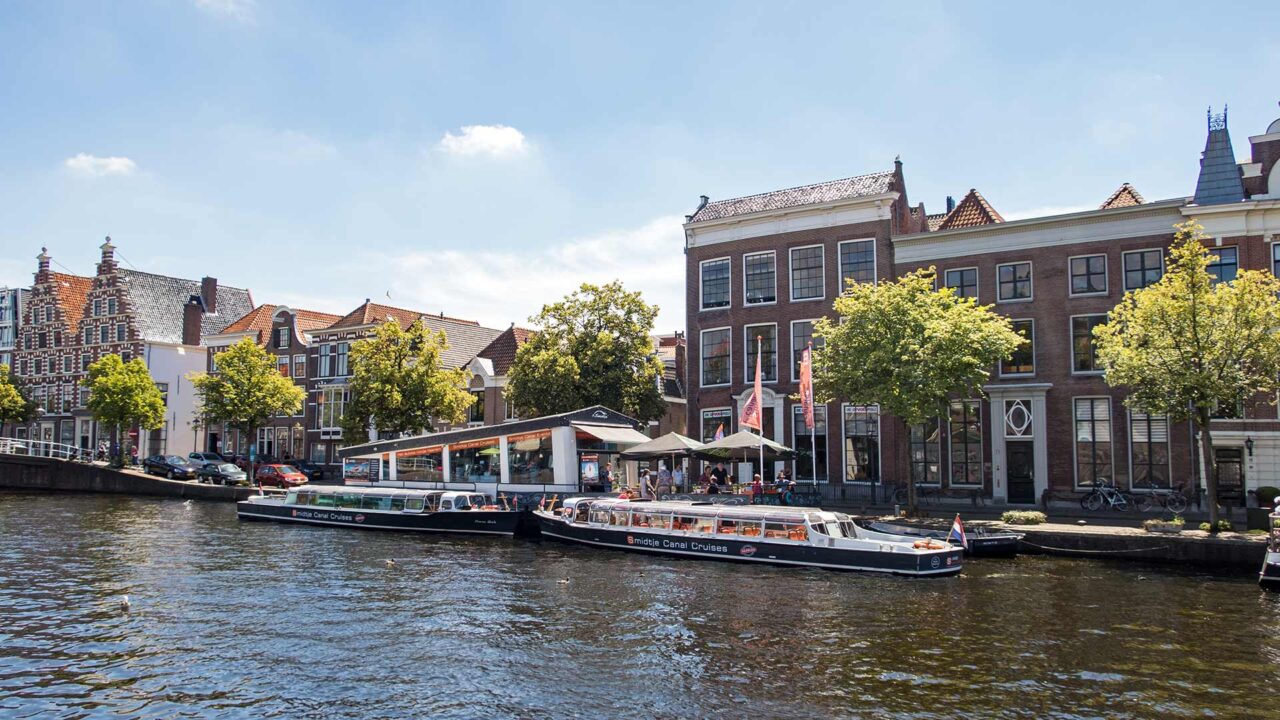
[{"x": 35, "y": 426}]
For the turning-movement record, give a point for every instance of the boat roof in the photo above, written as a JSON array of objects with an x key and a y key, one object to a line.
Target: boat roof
[
  {"x": 698, "y": 508},
  {"x": 382, "y": 491}
]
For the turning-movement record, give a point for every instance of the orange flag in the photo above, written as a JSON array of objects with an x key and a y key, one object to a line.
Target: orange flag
[
  {"x": 751, "y": 411},
  {"x": 806, "y": 385}
]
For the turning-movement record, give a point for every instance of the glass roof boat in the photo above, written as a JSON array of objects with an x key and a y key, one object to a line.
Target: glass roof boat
[
  {"x": 1269, "y": 577},
  {"x": 796, "y": 536},
  {"x": 385, "y": 509}
]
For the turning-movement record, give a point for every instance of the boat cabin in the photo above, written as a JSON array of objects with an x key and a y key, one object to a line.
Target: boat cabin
[
  {"x": 387, "y": 499},
  {"x": 700, "y": 518}
]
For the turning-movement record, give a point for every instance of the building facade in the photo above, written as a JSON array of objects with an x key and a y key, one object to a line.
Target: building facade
[{"x": 12, "y": 301}]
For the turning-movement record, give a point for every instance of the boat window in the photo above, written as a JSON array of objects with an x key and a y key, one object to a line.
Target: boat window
[
  {"x": 397, "y": 503},
  {"x": 461, "y": 503},
  {"x": 291, "y": 498},
  {"x": 306, "y": 499},
  {"x": 619, "y": 517},
  {"x": 704, "y": 525},
  {"x": 375, "y": 502},
  {"x": 786, "y": 531},
  {"x": 660, "y": 521},
  {"x": 600, "y": 517},
  {"x": 820, "y": 528},
  {"x": 834, "y": 529},
  {"x": 847, "y": 527},
  {"x": 639, "y": 520},
  {"x": 349, "y": 500},
  {"x": 433, "y": 502},
  {"x": 581, "y": 513},
  {"x": 446, "y": 504},
  {"x": 750, "y": 528},
  {"x": 414, "y": 504},
  {"x": 728, "y": 527},
  {"x": 775, "y": 530},
  {"x": 325, "y": 500}
]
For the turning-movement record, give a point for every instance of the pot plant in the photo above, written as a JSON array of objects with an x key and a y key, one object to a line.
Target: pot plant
[{"x": 1172, "y": 526}]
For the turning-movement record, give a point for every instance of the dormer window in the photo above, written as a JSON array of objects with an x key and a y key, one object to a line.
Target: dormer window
[{"x": 282, "y": 337}]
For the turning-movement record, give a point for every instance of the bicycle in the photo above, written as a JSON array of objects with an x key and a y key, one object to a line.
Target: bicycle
[
  {"x": 1106, "y": 493},
  {"x": 924, "y": 494},
  {"x": 1172, "y": 499}
]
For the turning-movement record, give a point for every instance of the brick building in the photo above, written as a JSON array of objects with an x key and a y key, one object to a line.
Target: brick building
[{"x": 1048, "y": 420}]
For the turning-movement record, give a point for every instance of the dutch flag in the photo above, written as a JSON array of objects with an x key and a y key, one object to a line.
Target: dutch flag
[{"x": 957, "y": 532}]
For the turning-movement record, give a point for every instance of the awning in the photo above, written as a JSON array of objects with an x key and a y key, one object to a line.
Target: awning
[{"x": 612, "y": 433}]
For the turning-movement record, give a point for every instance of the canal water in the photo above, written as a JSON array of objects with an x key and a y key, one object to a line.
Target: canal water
[{"x": 256, "y": 620}]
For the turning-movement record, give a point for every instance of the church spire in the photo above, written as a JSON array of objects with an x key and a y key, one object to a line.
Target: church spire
[{"x": 1219, "y": 180}]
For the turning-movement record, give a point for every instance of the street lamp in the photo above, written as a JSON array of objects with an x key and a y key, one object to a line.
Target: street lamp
[{"x": 1248, "y": 445}]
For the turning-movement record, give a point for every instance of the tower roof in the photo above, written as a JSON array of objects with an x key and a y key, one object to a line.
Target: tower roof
[
  {"x": 1219, "y": 180},
  {"x": 973, "y": 210}
]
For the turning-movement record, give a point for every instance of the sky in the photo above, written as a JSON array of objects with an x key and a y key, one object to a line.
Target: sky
[{"x": 482, "y": 159}]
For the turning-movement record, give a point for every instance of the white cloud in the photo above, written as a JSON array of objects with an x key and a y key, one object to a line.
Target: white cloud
[
  {"x": 1046, "y": 211},
  {"x": 495, "y": 140},
  {"x": 241, "y": 10},
  {"x": 92, "y": 166},
  {"x": 498, "y": 287}
]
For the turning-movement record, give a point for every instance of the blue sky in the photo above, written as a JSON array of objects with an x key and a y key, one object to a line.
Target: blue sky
[{"x": 481, "y": 159}]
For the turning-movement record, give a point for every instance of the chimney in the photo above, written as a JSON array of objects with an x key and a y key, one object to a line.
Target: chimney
[
  {"x": 951, "y": 203},
  {"x": 192, "y": 314},
  {"x": 107, "y": 264},
  {"x": 209, "y": 294},
  {"x": 42, "y": 269}
]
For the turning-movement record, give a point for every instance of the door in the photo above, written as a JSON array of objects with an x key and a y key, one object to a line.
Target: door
[
  {"x": 1020, "y": 471},
  {"x": 1230, "y": 469}
]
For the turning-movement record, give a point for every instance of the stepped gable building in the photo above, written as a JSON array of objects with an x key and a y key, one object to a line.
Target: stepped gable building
[
  {"x": 285, "y": 332},
  {"x": 330, "y": 370},
  {"x": 71, "y": 321}
]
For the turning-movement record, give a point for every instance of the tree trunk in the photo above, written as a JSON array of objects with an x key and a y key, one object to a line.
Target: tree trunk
[{"x": 1211, "y": 468}]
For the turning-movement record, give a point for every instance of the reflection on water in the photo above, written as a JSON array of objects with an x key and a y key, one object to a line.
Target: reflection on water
[{"x": 239, "y": 620}]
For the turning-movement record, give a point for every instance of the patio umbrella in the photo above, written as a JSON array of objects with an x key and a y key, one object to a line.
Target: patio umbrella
[
  {"x": 743, "y": 446},
  {"x": 669, "y": 445}
]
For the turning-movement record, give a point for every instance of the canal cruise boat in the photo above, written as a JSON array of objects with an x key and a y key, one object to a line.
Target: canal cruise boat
[
  {"x": 439, "y": 511},
  {"x": 795, "y": 536},
  {"x": 1269, "y": 577}
]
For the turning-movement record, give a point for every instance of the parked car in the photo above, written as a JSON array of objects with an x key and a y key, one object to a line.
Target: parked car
[
  {"x": 174, "y": 467},
  {"x": 285, "y": 476},
  {"x": 314, "y": 472},
  {"x": 200, "y": 458},
  {"x": 223, "y": 473}
]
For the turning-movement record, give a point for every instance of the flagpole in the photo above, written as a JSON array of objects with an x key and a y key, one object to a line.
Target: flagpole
[{"x": 760, "y": 405}]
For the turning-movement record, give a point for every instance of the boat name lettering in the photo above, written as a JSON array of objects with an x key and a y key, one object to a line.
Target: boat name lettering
[
  {"x": 676, "y": 544},
  {"x": 326, "y": 515}
]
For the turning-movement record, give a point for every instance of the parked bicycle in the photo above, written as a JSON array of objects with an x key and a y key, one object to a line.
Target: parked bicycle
[
  {"x": 1106, "y": 493},
  {"x": 1173, "y": 500},
  {"x": 924, "y": 494}
]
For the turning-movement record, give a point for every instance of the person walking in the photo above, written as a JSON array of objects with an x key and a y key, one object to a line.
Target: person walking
[{"x": 677, "y": 479}]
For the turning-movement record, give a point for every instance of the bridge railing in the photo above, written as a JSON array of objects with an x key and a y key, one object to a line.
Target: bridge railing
[{"x": 43, "y": 448}]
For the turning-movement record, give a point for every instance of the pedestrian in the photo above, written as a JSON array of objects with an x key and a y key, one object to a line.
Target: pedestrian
[
  {"x": 705, "y": 478},
  {"x": 677, "y": 478},
  {"x": 789, "y": 498},
  {"x": 719, "y": 474},
  {"x": 606, "y": 478},
  {"x": 757, "y": 490}
]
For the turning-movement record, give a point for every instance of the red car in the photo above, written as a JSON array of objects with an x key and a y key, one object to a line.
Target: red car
[{"x": 285, "y": 476}]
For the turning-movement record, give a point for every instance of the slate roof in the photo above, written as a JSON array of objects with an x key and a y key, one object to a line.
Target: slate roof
[
  {"x": 935, "y": 220},
  {"x": 157, "y": 302},
  {"x": 72, "y": 292},
  {"x": 466, "y": 338},
  {"x": 859, "y": 186},
  {"x": 501, "y": 351},
  {"x": 1219, "y": 180},
  {"x": 1124, "y": 196},
  {"x": 973, "y": 210}
]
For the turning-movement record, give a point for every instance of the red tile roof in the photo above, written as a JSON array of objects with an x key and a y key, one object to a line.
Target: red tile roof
[
  {"x": 973, "y": 211},
  {"x": 313, "y": 320},
  {"x": 1124, "y": 196},
  {"x": 502, "y": 350},
  {"x": 370, "y": 313},
  {"x": 258, "y": 321},
  {"x": 72, "y": 292}
]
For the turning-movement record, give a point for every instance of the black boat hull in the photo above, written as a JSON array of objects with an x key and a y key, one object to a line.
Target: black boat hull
[
  {"x": 489, "y": 522},
  {"x": 715, "y": 547},
  {"x": 1269, "y": 577},
  {"x": 990, "y": 545}
]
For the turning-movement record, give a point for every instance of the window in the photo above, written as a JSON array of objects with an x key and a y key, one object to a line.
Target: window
[
  {"x": 717, "y": 356},
  {"x": 806, "y": 273},
  {"x": 121, "y": 332},
  {"x": 330, "y": 404},
  {"x": 1088, "y": 275},
  {"x": 48, "y": 313},
  {"x": 420, "y": 465},
  {"x": 1084, "y": 357},
  {"x": 965, "y": 430},
  {"x": 164, "y": 392},
  {"x": 529, "y": 458},
  {"x": 926, "y": 452},
  {"x": 761, "y": 281},
  {"x": 1093, "y": 440},
  {"x": 862, "y": 443},
  {"x": 213, "y": 360},
  {"x": 768, "y": 347},
  {"x": 66, "y": 364},
  {"x": 282, "y": 364},
  {"x": 1142, "y": 268},
  {"x": 1275, "y": 257},
  {"x": 1149, "y": 450},
  {"x": 85, "y": 361},
  {"x": 282, "y": 337},
  {"x": 318, "y": 453},
  {"x": 1223, "y": 264},
  {"x": 1023, "y": 359},
  {"x": 963, "y": 280},
  {"x": 325, "y": 368},
  {"x": 475, "y": 411},
  {"x": 477, "y": 461},
  {"x": 97, "y": 307},
  {"x": 299, "y": 366},
  {"x": 509, "y": 409},
  {"x": 805, "y": 445},
  {"x": 857, "y": 262},
  {"x": 717, "y": 420},
  {"x": 42, "y": 340},
  {"x": 1013, "y": 282},
  {"x": 111, "y": 306},
  {"x": 341, "y": 368},
  {"x": 104, "y": 334},
  {"x": 39, "y": 366},
  {"x": 88, "y": 336},
  {"x": 801, "y": 336},
  {"x": 715, "y": 283}
]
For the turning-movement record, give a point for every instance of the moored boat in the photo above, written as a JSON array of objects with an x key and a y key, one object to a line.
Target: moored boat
[
  {"x": 979, "y": 542},
  {"x": 794, "y": 536},
  {"x": 1269, "y": 576},
  {"x": 439, "y": 511}
]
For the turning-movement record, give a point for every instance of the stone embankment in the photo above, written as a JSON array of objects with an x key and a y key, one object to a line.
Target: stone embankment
[{"x": 21, "y": 472}]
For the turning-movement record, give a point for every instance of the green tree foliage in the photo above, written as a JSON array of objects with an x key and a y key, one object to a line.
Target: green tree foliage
[
  {"x": 15, "y": 406},
  {"x": 399, "y": 383},
  {"x": 908, "y": 348},
  {"x": 592, "y": 348},
  {"x": 123, "y": 394},
  {"x": 247, "y": 390},
  {"x": 1185, "y": 344}
]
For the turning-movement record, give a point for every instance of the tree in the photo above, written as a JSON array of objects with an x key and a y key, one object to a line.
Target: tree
[
  {"x": 1187, "y": 343},
  {"x": 592, "y": 348},
  {"x": 122, "y": 395},
  {"x": 399, "y": 383},
  {"x": 15, "y": 406},
  {"x": 246, "y": 391},
  {"x": 908, "y": 348}
]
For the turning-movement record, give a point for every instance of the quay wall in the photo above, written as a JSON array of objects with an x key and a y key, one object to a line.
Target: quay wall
[
  {"x": 20, "y": 472},
  {"x": 1227, "y": 550}
]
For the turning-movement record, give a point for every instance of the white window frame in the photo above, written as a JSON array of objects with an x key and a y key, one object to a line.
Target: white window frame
[
  {"x": 1071, "y": 345},
  {"x": 875, "y": 270},
  {"x": 702, "y": 414},
  {"x": 1218, "y": 249},
  {"x": 1031, "y": 278},
  {"x": 702, "y": 307},
  {"x": 1111, "y": 439},
  {"x": 977, "y": 279},
  {"x": 791, "y": 340},
  {"x": 745, "y": 256},
  {"x": 797, "y": 410},
  {"x": 1168, "y": 442},
  {"x": 1124, "y": 282},
  {"x": 702, "y": 346},
  {"x": 822, "y": 272},
  {"x": 1000, "y": 365},
  {"x": 300, "y": 363},
  {"x": 982, "y": 454},
  {"x": 749, "y": 370},
  {"x": 844, "y": 446},
  {"x": 1275, "y": 249},
  {"x": 282, "y": 338},
  {"x": 1106, "y": 276}
]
